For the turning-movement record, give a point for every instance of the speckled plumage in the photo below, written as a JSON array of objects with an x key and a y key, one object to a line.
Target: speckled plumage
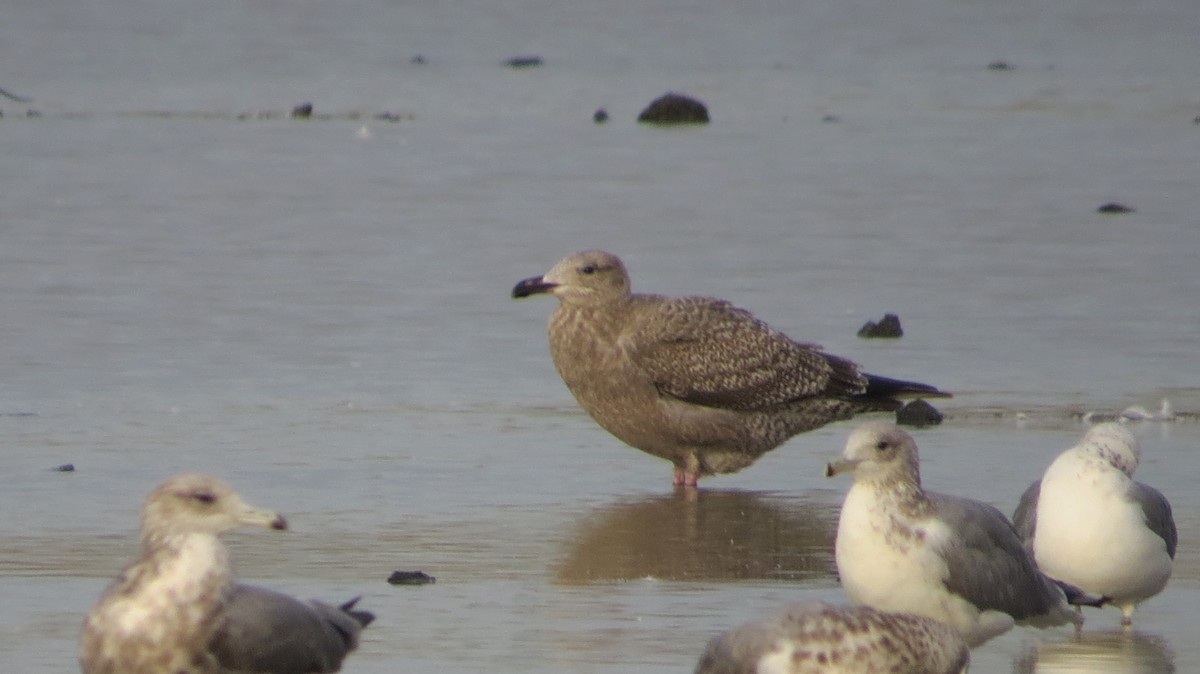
[
  {"x": 693, "y": 380},
  {"x": 817, "y": 638},
  {"x": 177, "y": 610},
  {"x": 1087, "y": 522},
  {"x": 900, "y": 548}
]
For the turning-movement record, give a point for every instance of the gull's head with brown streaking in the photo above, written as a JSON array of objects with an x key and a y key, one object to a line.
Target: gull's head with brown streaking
[
  {"x": 199, "y": 504},
  {"x": 176, "y": 608}
]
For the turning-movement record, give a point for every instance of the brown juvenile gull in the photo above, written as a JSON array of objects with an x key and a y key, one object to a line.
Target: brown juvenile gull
[
  {"x": 694, "y": 380},
  {"x": 177, "y": 610},
  {"x": 1088, "y": 522},
  {"x": 817, "y": 638},
  {"x": 900, "y": 548}
]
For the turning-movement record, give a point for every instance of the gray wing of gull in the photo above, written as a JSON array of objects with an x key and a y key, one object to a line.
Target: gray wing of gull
[
  {"x": 1025, "y": 516},
  {"x": 987, "y": 565},
  {"x": 708, "y": 352},
  {"x": 1157, "y": 510},
  {"x": 269, "y": 632}
]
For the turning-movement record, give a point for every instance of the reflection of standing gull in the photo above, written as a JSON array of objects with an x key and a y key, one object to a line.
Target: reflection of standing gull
[
  {"x": 176, "y": 608},
  {"x": 705, "y": 534},
  {"x": 816, "y": 638},
  {"x": 1090, "y": 524},
  {"x": 900, "y": 548},
  {"x": 1117, "y": 652},
  {"x": 694, "y": 380}
]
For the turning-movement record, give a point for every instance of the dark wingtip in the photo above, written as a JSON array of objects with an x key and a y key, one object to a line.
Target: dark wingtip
[
  {"x": 886, "y": 387},
  {"x": 1077, "y": 597},
  {"x": 531, "y": 286},
  {"x": 364, "y": 618}
]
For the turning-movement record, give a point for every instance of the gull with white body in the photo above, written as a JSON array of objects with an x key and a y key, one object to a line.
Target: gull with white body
[
  {"x": 903, "y": 549},
  {"x": 1089, "y": 523}
]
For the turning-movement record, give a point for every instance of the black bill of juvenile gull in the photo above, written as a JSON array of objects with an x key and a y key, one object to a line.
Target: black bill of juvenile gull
[
  {"x": 176, "y": 609},
  {"x": 817, "y": 638},
  {"x": 694, "y": 380},
  {"x": 901, "y": 548},
  {"x": 1090, "y": 524}
]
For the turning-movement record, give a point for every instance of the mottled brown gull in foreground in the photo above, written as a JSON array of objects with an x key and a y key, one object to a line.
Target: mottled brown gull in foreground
[
  {"x": 816, "y": 638},
  {"x": 694, "y": 380},
  {"x": 177, "y": 610}
]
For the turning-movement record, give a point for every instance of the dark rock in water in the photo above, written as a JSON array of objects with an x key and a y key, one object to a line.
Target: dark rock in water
[
  {"x": 418, "y": 60},
  {"x": 524, "y": 62},
  {"x": 1001, "y": 65},
  {"x": 392, "y": 117},
  {"x": 302, "y": 111},
  {"x": 887, "y": 328},
  {"x": 65, "y": 468},
  {"x": 411, "y": 578},
  {"x": 674, "y": 109},
  {"x": 1114, "y": 207},
  {"x": 918, "y": 413},
  {"x": 831, "y": 119},
  {"x": 600, "y": 116}
]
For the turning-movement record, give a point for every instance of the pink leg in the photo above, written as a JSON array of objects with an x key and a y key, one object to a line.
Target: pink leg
[{"x": 686, "y": 477}]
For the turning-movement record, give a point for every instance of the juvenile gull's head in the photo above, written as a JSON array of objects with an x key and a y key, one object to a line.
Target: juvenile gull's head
[{"x": 591, "y": 275}]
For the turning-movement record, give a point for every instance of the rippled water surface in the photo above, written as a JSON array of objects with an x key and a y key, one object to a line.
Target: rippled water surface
[{"x": 319, "y": 312}]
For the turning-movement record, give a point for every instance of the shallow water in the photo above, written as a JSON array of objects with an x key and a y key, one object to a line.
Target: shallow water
[{"x": 318, "y": 311}]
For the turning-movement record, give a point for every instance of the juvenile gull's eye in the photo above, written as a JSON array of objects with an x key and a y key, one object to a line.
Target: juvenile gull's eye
[
  {"x": 589, "y": 269},
  {"x": 204, "y": 497},
  {"x": 882, "y": 445}
]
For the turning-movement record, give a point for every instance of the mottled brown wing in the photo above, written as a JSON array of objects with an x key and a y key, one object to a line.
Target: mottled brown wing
[{"x": 708, "y": 352}]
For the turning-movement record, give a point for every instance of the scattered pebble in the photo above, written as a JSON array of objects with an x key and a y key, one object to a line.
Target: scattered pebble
[
  {"x": 888, "y": 327},
  {"x": 919, "y": 414},
  {"x": 524, "y": 62},
  {"x": 674, "y": 108},
  {"x": 302, "y": 111},
  {"x": 600, "y": 116},
  {"x": 411, "y": 578},
  {"x": 1114, "y": 207},
  {"x": 65, "y": 468}
]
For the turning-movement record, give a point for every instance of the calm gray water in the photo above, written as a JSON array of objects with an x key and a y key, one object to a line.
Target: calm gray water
[{"x": 318, "y": 311}]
